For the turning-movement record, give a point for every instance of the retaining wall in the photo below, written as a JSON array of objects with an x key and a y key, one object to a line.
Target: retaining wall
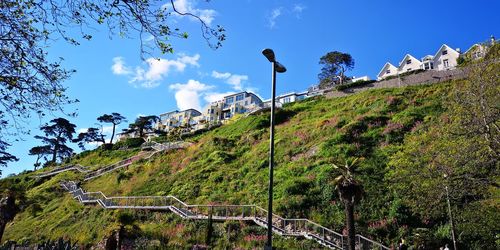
[{"x": 426, "y": 77}]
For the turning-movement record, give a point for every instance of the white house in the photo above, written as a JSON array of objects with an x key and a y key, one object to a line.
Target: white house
[
  {"x": 361, "y": 78},
  {"x": 291, "y": 97},
  {"x": 427, "y": 62},
  {"x": 476, "y": 51},
  {"x": 445, "y": 58},
  {"x": 409, "y": 63},
  {"x": 387, "y": 70}
]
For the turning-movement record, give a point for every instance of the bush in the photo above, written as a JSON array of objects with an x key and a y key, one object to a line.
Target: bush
[
  {"x": 129, "y": 143},
  {"x": 353, "y": 84}
]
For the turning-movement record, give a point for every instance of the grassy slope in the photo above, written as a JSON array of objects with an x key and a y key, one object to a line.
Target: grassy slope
[{"x": 229, "y": 165}]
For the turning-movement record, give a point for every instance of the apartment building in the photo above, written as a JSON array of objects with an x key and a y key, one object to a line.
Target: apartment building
[{"x": 173, "y": 119}]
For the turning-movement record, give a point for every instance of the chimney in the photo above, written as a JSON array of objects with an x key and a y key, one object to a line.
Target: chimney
[{"x": 493, "y": 40}]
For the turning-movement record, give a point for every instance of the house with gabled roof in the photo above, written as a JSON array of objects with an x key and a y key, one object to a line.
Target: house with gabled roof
[
  {"x": 387, "y": 70},
  {"x": 427, "y": 62},
  {"x": 409, "y": 63},
  {"x": 446, "y": 58}
]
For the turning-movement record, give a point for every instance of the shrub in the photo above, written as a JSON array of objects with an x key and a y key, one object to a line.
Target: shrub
[
  {"x": 353, "y": 84},
  {"x": 129, "y": 143}
]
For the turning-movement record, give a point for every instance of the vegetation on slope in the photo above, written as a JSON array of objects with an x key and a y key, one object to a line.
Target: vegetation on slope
[{"x": 386, "y": 128}]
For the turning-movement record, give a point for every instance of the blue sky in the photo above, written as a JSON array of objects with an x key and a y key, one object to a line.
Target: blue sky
[{"x": 111, "y": 77}]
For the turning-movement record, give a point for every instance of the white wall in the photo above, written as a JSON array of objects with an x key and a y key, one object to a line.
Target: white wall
[
  {"x": 452, "y": 57},
  {"x": 383, "y": 74},
  {"x": 414, "y": 65}
]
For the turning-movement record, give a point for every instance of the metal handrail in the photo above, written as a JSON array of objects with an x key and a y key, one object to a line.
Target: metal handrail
[{"x": 283, "y": 226}]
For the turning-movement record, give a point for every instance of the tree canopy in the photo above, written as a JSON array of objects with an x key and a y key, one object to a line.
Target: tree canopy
[
  {"x": 56, "y": 136},
  {"x": 335, "y": 64},
  {"x": 31, "y": 84},
  {"x": 91, "y": 135},
  {"x": 144, "y": 123},
  {"x": 113, "y": 118}
]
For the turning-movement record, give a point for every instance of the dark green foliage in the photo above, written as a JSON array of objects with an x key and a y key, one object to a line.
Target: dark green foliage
[
  {"x": 91, "y": 135},
  {"x": 335, "y": 64},
  {"x": 4, "y": 156},
  {"x": 353, "y": 85},
  {"x": 129, "y": 143},
  {"x": 56, "y": 136},
  {"x": 143, "y": 124},
  {"x": 123, "y": 176},
  {"x": 113, "y": 118}
]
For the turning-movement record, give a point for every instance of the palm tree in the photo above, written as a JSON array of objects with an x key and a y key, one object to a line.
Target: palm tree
[{"x": 350, "y": 192}]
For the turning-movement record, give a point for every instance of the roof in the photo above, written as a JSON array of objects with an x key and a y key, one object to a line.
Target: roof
[
  {"x": 427, "y": 57},
  {"x": 473, "y": 46},
  {"x": 170, "y": 112},
  {"x": 447, "y": 47},
  {"x": 405, "y": 58},
  {"x": 383, "y": 68}
]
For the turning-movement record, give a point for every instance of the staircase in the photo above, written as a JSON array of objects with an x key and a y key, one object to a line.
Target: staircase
[
  {"x": 76, "y": 167},
  {"x": 157, "y": 147},
  {"x": 282, "y": 226}
]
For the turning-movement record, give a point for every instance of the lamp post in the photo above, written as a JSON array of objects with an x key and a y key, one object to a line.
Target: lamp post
[
  {"x": 276, "y": 67},
  {"x": 449, "y": 213}
]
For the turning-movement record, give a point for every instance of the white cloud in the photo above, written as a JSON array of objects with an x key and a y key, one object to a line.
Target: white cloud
[
  {"x": 188, "y": 95},
  {"x": 155, "y": 70},
  {"x": 298, "y": 9},
  {"x": 119, "y": 67},
  {"x": 275, "y": 13},
  {"x": 189, "y": 6},
  {"x": 236, "y": 81},
  {"x": 219, "y": 75}
]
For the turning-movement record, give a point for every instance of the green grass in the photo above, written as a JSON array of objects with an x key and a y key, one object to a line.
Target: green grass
[{"x": 229, "y": 165}]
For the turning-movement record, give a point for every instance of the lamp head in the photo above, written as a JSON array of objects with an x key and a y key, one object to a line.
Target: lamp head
[
  {"x": 280, "y": 68},
  {"x": 269, "y": 54}
]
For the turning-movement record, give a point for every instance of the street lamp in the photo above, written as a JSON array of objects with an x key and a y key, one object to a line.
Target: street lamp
[
  {"x": 276, "y": 67},
  {"x": 449, "y": 212}
]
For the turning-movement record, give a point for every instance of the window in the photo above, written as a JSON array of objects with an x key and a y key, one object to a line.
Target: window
[
  {"x": 388, "y": 71},
  {"x": 445, "y": 63},
  {"x": 236, "y": 109},
  {"x": 427, "y": 66},
  {"x": 408, "y": 61},
  {"x": 409, "y": 69},
  {"x": 211, "y": 111},
  {"x": 445, "y": 52},
  {"x": 229, "y": 100},
  {"x": 239, "y": 97},
  {"x": 287, "y": 100},
  {"x": 246, "y": 103}
]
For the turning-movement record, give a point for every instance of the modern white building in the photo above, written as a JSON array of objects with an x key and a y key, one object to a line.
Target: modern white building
[
  {"x": 386, "y": 71},
  {"x": 446, "y": 58},
  {"x": 239, "y": 103},
  {"x": 176, "y": 119},
  {"x": 290, "y": 97}
]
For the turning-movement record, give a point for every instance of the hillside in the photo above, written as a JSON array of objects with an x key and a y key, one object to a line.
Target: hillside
[{"x": 228, "y": 165}]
